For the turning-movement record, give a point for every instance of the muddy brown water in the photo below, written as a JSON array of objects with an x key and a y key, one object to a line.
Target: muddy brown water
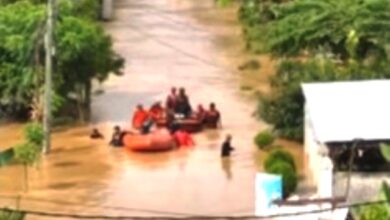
[{"x": 165, "y": 43}]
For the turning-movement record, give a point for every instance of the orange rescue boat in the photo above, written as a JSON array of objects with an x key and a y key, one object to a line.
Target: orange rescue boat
[{"x": 158, "y": 140}]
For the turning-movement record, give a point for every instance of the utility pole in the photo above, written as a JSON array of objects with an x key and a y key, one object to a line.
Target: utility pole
[{"x": 49, "y": 49}]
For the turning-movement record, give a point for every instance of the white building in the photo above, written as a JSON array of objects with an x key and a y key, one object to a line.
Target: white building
[{"x": 341, "y": 112}]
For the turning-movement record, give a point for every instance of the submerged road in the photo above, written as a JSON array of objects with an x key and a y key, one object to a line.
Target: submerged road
[{"x": 164, "y": 46}]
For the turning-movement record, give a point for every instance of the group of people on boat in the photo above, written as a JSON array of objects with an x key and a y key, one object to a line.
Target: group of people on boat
[{"x": 177, "y": 108}]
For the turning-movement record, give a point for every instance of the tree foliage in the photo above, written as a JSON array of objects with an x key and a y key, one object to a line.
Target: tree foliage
[
  {"x": 33, "y": 133},
  {"x": 29, "y": 151},
  {"x": 379, "y": 211},
  {"x": 20, "y": 32},
  {"x": 88, "y": 9},
  {"x": 309, "y": 25},
  {"x": 318, "y": 41},
  {"x": 254, "y": 16},
  {"x": 83, "y": 52}
]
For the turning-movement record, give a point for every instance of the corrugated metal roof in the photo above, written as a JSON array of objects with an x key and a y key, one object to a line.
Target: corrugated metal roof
[{"x": 343, "y": 111}]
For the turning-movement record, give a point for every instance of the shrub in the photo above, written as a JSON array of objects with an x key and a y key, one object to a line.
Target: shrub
[
  {"x": 11, "y": 215},
  {"x": 33, "y": 133},
  {"x": 264, "y": 139},
  {"x": 279, "y": 155},
  {"x": 375, "y": 212},
  {"x": 289, "y": 176},
  {"x": 27, "y": 153}
]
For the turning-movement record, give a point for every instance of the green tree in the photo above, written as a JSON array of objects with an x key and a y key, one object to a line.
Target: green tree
[
  {"x": 255, "y": 15},
  {"x": 88, "y": 9},
  {"x": 84, "y": 52},
  {"x": 21, "y": 29},
  {"x": 310, "y": 25},
  {"x": 375, "y": 212},
  {"x": 29, "y": 152}
]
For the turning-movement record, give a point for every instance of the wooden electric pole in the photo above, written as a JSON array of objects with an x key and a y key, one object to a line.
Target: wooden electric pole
[{"x": 48, "y": 75}]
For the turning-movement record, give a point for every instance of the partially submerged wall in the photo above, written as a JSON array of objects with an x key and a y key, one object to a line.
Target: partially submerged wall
[{"x": 318, "y": 166}]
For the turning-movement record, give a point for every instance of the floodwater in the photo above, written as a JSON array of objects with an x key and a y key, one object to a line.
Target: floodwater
[{"x": 165, "y": 43}]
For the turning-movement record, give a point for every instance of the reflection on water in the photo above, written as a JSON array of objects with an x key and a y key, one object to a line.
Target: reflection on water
[
  {"x": 227, "y": 167},
  {"x": 60, "y": 186},
  {"x": 66, "y": 164},
  {"x": 184, "y": 181}
]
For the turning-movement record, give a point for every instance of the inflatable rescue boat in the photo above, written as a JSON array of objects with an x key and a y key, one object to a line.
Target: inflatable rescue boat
[{"x": 158, "y": 140}]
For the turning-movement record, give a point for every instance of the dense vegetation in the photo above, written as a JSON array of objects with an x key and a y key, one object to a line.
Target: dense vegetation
[
  {"x": 379, "y": 211},
  {"x": 83, "y": 53},
  {"x": 281, "y": 162},
  {"x": 324, "y": 40}
]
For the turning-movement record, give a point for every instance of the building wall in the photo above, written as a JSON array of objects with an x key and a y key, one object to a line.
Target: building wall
[{"x": 318, "y": 166}]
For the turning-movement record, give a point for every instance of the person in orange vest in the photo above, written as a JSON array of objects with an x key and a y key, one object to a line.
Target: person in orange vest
[
  {"x": 140, "y": 117},
  {"x": 213, "y": 117}
]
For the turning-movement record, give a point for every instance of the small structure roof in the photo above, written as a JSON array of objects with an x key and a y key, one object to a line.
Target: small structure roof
[{"x": 344, "y": 111}]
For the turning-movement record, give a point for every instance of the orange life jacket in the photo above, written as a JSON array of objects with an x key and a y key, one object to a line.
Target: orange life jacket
[
  {"x": 139, "y": 118},
  {"x": 156, "y": 112}
]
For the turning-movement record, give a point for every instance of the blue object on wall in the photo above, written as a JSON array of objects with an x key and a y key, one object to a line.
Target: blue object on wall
[{"x": 268, "y": 189}]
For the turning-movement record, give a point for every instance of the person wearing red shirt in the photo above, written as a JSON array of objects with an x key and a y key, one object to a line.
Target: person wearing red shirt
[
  {"x": 213, "y": 117},
  {"x": 200, "y": 114},
  {"x": 172, "y": 99},
  {"x": 156, "y": 111}
]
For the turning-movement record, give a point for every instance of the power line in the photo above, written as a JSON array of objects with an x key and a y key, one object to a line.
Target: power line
[
  {"x": 119, "y": 208},
  {"x": 77, "y": 216}
]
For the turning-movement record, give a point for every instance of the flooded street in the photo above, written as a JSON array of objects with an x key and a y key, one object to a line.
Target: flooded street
[{"x": 165, "y": 43}]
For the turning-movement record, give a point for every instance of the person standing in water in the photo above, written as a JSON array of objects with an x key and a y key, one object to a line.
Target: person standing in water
[
  {"x": 183, "y": 104},
  {"x": 225, "y": 156},
  {"x": 213, "y": 117},
  {"x": 172, "y": 99},
  {"x": 227, "y": 147},
  {"x": 200, "y": 114}
]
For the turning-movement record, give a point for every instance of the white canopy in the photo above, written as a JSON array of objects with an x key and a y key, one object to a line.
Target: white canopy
[{"x": 343, "y": 111}]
